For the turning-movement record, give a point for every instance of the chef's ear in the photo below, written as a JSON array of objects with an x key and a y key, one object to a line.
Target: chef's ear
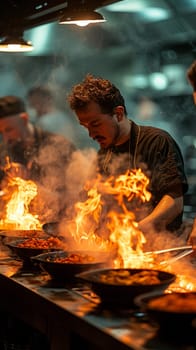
[
  {"x": 24, "y": 116},
  {"x": 119, "y": 113}
]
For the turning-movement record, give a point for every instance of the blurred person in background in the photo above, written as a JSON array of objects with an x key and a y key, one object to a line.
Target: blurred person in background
[
  {"x": 47, "y": 115},
  {"x": 191, "y": 75},
  {"x": 29, "y": 152},
  {"x": 45, "y": 111},
  {"x": 100, "y": 108}
]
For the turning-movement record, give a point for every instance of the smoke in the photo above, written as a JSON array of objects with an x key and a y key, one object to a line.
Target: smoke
[
  {"x": 62, "y": 177},
  {"x": 81, "y": 168}
]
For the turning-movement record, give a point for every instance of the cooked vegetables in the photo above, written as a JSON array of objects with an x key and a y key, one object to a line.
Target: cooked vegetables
[{"x": 125, "y": 277}]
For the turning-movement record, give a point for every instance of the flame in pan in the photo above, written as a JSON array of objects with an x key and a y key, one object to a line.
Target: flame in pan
[
  {"x": 123, "y": 233},
  {"x": 18, "y": 195}
]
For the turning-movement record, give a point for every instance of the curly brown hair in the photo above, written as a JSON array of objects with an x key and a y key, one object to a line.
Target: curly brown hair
[{"x": 98, "y": 90}]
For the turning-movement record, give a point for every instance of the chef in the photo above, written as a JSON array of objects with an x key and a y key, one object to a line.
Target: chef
[
  {"x": 29, "y": 152},
  {"x": 100, "y": 107}
]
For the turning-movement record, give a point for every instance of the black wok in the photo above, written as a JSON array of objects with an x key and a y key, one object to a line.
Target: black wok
[
  {"x": 25, "y": 253},
  {"x": 7, "y": 236},
  {"x": 51, "y": 228},
  {"x": 170, "y": 309},
  {"x": 62, "y": 271},
  {"x": 122, "y": 295}
]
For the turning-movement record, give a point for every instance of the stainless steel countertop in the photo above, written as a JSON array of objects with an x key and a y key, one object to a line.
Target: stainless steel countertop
[{"x": 73, "y": 309}]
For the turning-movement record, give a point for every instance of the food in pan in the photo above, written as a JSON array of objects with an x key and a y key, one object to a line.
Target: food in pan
[
  {"x": 74, "y": 259},
  {"x": 21, "y": 233},
  {"x": 125, "y": 277},
  {"x": 174, "y": 302},
  {"x": 51, "y": 242}
]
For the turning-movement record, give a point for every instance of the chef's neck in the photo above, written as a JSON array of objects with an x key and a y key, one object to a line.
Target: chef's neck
[
  {"x": 124, "y": 131},
  {"x": 29, "y": 136}
]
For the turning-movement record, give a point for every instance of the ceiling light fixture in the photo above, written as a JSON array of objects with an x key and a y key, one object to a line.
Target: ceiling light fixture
[
  {"x": 81, "y": 17},
  {"x": 13, "y": 43}
]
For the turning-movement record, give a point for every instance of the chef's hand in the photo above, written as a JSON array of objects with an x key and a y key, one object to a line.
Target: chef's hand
[
  {"x": 191, "y": 75},
  {"x": 146, "y": 226}
]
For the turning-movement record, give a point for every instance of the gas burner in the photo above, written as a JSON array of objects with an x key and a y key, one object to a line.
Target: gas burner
[{"x": 86, "y": 293}]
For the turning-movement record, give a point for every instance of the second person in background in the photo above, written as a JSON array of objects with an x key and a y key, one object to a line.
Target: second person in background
[
  {"x": 48, "y": 115},
  {"x": 29, "y": 152}
]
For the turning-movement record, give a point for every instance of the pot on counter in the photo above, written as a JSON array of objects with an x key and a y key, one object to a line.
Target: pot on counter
[{"x": 118, "y": 287}]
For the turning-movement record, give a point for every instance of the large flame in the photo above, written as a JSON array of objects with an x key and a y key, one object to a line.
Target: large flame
[
  {"x": 129, "y": 240},
  {"x": 18, "y": 195},
  {"x": 123, "y": 227},
  {"x": 184, "y": 282},
  {"x": 124, "y": 238},
  {"x": 124, "y": 234},
  {"x": 87, "y": 215},
  {"x": 132, "y": 184}
]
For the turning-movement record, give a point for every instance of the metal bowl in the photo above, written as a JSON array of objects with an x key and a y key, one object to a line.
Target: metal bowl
[
  {"x": 7, "y": 236},
  {"x": 51, "y": 228},
  {"x": 122, "y": 294},
  {"x": 21, "y": 233},
  {"x": 25, "y": 253},
  {"x": 169, "y": 309},
  {"x": 64, "y": 271}
]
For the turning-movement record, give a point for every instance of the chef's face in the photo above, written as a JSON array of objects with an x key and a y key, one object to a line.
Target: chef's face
[
  {"x": 102, "y": 127},
  {"x": 37, "y": 104},
  {"x": 12, "y": 128}
]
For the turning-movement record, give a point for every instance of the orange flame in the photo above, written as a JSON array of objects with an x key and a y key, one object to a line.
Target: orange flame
[
  {"x": 18, "y": 194},
  {"x": 123, "y": 227},
  {"x": 129, "y": 240},
  {"x": 132, "y": 184},
  {"x": 86, "y": 220},
  {"x": 183, "y": 283},
  {"x": 124, "y": 233}
]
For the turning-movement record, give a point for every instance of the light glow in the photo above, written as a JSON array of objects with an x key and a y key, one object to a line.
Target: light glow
[
  {"x": 83, "y": 23},
  {"x": 16, "y": 47},
  {"x": 158, "y": 81},
  {"x": 82, "y": 18},
  {"x": 145, "y": 11}
]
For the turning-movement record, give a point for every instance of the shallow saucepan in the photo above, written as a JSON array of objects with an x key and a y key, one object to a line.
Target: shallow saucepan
[
  {"x": 119, "y": 287},
  {"x": 10, "y": 235},
  {"x": 21, "y": 233},
  {"x": 25, "y": 248},
  {"x": 51, "y": 228},
  {"x": 64, "y": 265},
  {"x": 170, "y": 309}
]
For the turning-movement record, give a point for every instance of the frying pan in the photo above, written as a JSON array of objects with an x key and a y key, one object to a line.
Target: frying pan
[
  {"x": 122, "y": 295},
  {"x": 21, "y": 233},
  {"x": 51, "y": 228},
  {"x": 169, "y": 319},
  {"x": 10, "y": 235},
  {"x": 65, "y": 271},
  {"x": 25, "y": 253}
]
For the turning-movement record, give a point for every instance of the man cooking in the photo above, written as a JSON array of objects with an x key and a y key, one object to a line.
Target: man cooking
[
  {"x": 100, "y": 107},
  {"x": 31, "y": 153}
]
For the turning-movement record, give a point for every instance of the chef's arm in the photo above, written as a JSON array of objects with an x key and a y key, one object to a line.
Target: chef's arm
[
  {"x": 166, "y": 210},
  {"x": 192, "y": 237}
]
